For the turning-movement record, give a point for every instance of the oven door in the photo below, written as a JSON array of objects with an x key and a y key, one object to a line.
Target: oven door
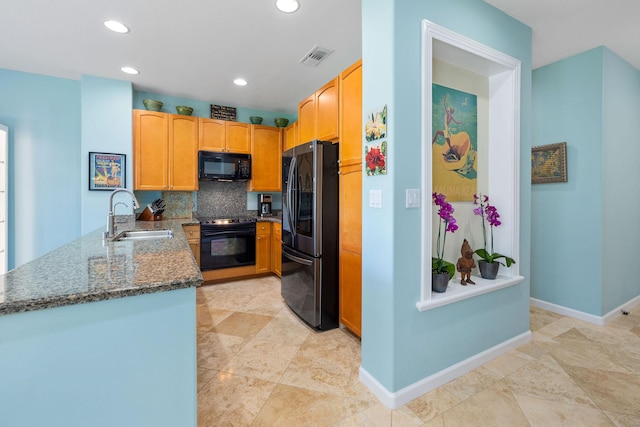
[{"x": 227, "y": 246}]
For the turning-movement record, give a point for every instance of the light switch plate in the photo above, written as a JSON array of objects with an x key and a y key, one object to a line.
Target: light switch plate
[
  {"x": 375, "y": 199},
  {"x": 413, "y": 198}
]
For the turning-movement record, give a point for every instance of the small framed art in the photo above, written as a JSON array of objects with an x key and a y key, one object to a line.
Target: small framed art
[
  {"x": 107, "y": 171},
  {"x": 549, "y": 163}
]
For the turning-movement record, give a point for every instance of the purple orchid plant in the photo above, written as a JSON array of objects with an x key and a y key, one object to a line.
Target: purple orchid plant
[
  {"x": 490, "y": 213},
  {"x": 448, "y": 222}
]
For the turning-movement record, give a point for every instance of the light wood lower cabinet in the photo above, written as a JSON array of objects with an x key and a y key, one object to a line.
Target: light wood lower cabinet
[
  {"x": 263, "y": 247},
  {"x": 193, "y": 237},
  {"x": 276, "y": 248},
  {"x": 350, "y": 248}
]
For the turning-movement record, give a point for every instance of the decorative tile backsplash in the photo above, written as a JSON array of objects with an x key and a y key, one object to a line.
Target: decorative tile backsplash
[
  {"x": 222, "y": 200},
  {"x": 179, "y": 204}
]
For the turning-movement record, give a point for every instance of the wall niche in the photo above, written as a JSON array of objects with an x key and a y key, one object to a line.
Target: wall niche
[{"x": 499, "y": 159}]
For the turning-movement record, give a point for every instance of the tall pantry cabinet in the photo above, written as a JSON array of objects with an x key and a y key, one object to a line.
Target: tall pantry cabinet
[{"x": 350, "y": 246}]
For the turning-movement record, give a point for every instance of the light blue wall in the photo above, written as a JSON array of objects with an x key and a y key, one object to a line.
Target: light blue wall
[
  {"x": 620, "y": 204},
  {"x": 122, "y": 362},
  {"x": 401, "y": 345},
  {"x": 43, "y": 117},
  {"x": 566, "y": 242},
  {"x": 106, "y": 128},
  {"x": 203, "y": 108},
  {"x": 580, "y": 247}
]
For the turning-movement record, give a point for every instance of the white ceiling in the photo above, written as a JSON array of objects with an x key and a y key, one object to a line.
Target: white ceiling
[
  {"x": 563, "y": 28},
  {"x": 187, "y": 48},
  {"x": 195, "y": 48}
]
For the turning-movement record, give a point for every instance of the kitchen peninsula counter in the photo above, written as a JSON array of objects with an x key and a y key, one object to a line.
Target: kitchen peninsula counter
[
  {"x": 86, "y": 270},
  {"x": 102, "y": 335}
]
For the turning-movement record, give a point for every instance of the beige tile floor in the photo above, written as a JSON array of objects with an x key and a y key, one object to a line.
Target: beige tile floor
[{"x": 258, "y": 365}]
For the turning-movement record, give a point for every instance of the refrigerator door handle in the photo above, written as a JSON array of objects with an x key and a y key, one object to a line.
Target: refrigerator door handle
[
  {"x": 296, "y": 258},
  {"x": 292, "y": 203}
]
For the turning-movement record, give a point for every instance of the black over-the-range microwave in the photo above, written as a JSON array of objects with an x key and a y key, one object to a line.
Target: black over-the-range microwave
[{"x": 224, "y": 166}]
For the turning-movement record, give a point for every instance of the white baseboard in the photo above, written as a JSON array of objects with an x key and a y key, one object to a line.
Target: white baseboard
[
  {"x": 396, "y": 399},
  {"x": 597, "y": 320}
]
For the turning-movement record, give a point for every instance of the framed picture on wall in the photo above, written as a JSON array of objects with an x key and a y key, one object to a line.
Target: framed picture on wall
[
  {"x": 107, "y": 171},
  {"x": 549, "y": 163},
  {"x": 454, "y": 143}
]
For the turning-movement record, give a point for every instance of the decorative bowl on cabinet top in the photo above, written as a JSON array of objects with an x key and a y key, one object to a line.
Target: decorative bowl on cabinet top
[
  {"x": 281, "y": 122},
  {"x": 152, "y": 104},
  {"x": 184, "y": 110}
]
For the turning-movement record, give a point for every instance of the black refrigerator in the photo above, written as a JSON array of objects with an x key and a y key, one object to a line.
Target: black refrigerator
[{"x": 310, "y": 232}]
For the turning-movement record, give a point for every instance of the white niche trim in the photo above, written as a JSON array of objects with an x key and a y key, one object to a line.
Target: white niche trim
[{"x": 503, "y": 168}]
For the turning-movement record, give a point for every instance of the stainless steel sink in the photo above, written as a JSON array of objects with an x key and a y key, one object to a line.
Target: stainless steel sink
[{"x": 144, "y": 235}]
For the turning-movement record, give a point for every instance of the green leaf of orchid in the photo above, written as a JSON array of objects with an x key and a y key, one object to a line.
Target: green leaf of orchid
[{"x": 484, "y": 255}]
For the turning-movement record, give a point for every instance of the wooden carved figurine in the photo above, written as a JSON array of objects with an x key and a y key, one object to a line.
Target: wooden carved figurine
[{"x": 465, "y": 264}]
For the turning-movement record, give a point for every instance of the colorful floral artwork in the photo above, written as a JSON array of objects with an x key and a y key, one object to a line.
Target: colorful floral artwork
[
  {"x": 376, "y": 159},
  {"x": 376, "y": 153},
  {"x": 376, "y": 126}
]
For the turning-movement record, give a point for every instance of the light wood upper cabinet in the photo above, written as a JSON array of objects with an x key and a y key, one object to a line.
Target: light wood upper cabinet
[
  {"x": 224, "y": 136},
  {"x": 290, "y": 136},
  {"x": 165, "y": 151},
  {"x": 212, "y": 135},
  {"x": 150, "y": 150},
  {"x": 266, "y": 159},
  {"x": 318, "y": 114},
  {"x": 183, "y": 153},
  {"x": 327, "y": 111},
  {"x": 307, "y": 119},
  {"x": 351, "y": 115},
  {"x": 238, "y": 137}
]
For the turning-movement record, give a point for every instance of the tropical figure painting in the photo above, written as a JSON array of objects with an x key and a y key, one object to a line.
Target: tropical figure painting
[{"x": 454, "y": 143}]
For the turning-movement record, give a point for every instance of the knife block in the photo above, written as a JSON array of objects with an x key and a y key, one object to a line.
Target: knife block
[{"x": 147, "y": 215}]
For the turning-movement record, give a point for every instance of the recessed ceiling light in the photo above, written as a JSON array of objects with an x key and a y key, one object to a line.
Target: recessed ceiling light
[
  {"x": 240, "y": 82},
  {"x": 116, "y": 26},
  {"x": 287, "y": 6},
  {"x": 130, "y": 70}
]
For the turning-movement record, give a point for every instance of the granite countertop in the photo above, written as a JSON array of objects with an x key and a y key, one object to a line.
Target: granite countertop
[
  {"x": 87, "y": 270},
  {"x": 270, "y": 218},
  {"x": 276, "y": 217}
]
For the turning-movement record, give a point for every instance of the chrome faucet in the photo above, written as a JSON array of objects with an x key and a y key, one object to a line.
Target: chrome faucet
[{"x": 109, "y": 234}]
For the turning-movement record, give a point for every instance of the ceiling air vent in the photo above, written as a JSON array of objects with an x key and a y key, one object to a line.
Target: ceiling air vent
[{"x": 315, "y": 56}]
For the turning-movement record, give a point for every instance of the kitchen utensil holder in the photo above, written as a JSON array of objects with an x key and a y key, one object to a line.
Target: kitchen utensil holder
[{"x": 148, "y": 215}]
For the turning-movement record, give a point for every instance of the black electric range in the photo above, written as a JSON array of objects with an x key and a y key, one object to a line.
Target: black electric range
[{"x": 227, "y": 242}]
